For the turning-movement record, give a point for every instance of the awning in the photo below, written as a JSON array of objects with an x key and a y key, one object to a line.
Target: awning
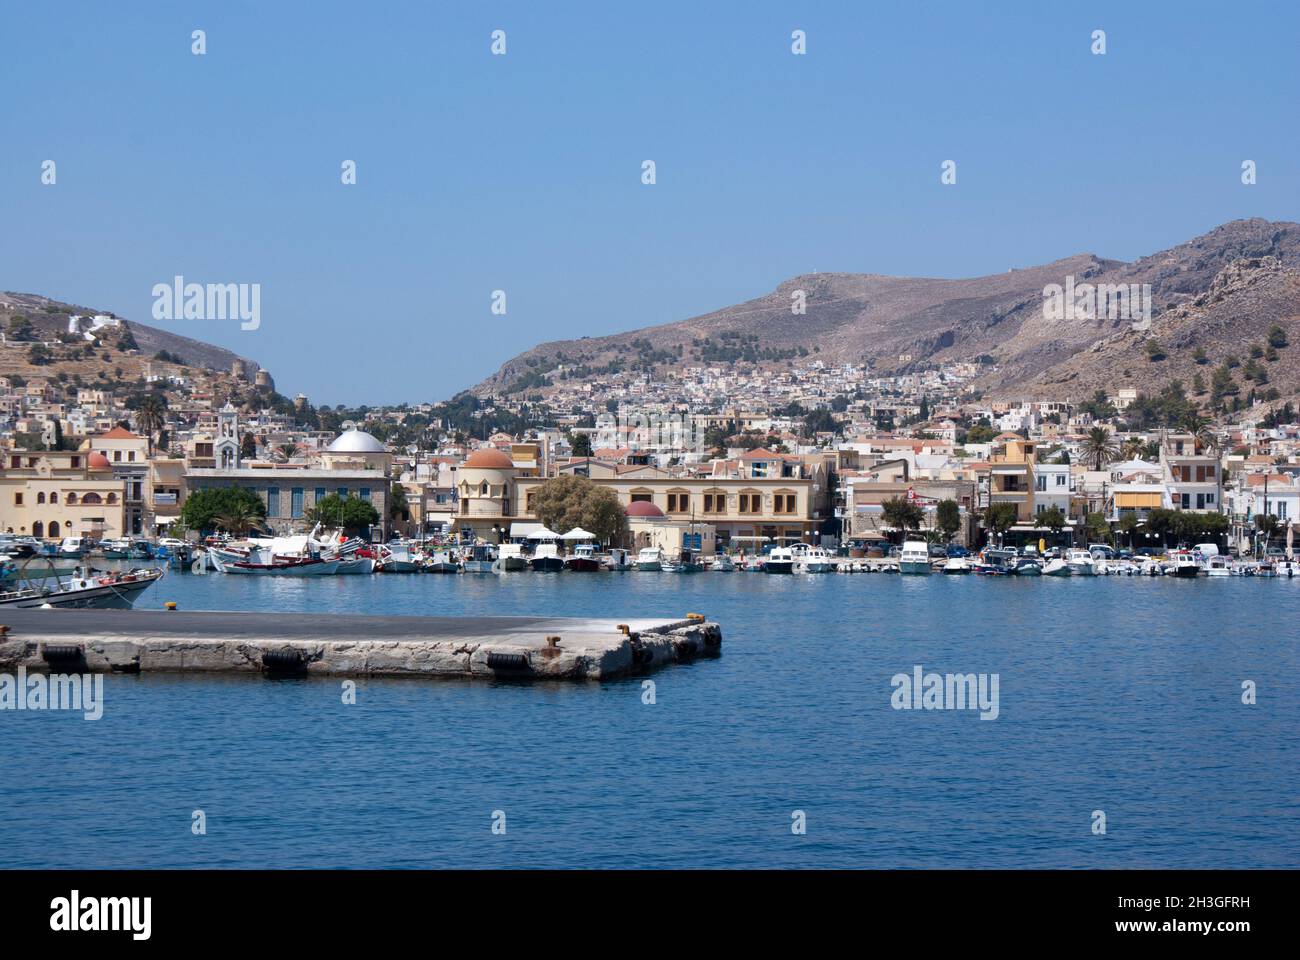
[{"x": 522, "y": 528}]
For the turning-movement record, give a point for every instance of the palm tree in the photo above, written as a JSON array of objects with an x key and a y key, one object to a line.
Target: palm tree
[
  {"x": 287, "y": 451},
  {"x": 1132, "y": 448},
  {"x": 150, "y": 415},
  {"x": 1100, "y": 447},
  {"x": 238, "y": 520},
  {"x": 1202, "y": 431}
]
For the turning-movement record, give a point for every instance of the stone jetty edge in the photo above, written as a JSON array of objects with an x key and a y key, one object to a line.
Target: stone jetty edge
[{"x": 581, "y": 655}]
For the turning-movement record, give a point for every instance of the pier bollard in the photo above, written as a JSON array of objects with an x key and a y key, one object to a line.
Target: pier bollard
[
  {"x": 4, "y": 630},
  {"x": 552, "y": 648},
  {"x": 624, "y": 629},
  {"x": 170, "y": 605}
]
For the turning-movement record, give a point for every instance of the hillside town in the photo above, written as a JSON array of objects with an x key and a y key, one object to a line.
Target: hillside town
[{"x": 727, "y": 456}]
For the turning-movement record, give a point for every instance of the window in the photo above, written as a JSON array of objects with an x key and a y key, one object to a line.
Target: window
[
  {"x": 1060, "y": 479},
  {"x": 272, "y": 501},
  {"x": 320, "y": 494},
  {"x": 528, "y": 501},
  {"x": 679, "y": 503},
  {"x": 40, "y": 498},
  {"x": 295, "y": 503},
  {"x": 18, "y": 499},
  {"x": 112, "y": 498},
  {"x": 76, "y": 461},
  {"x": 92, "y": 499},
  {"x": 365, "y": 493},
  {"x": 750, "y": 503},
  {"x": 715, "y": 503},
  {"x": 643, "y": 498},
  {"x": 784, "y": 502},
  {"x": 117, "y": 456},
  {"x": 71, "y": 499},
  {"x": 54, "y": 497}
]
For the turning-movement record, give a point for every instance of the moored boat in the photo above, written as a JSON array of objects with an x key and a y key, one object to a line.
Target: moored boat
[
  {"x": 87, "y": 590},
  {"x": 915, "y": 557},
  {"x": 650, "y": 559}
]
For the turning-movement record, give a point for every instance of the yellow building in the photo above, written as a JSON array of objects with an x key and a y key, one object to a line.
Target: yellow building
[
  {"x": 53, "y": 494},
  {"x": 1011, "y": 475}
]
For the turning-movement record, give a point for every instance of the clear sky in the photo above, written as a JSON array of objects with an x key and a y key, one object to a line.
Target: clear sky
[{"x": 523, "y": 172}]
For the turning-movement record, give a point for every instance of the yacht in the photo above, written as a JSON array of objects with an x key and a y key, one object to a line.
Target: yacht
[
  {"x": 915, "y": 557},
  {"x": 1218, "y": 566},
  {"x": 510, "y": 558},
  {"x": 583, "y": 558},
  {"x": 650, "y": 559},
  {"x": 74, "y": 547},
  {"x": 779, "y": 560},
  {"x": 1183, "y": 563},
  {"x": 1082, "y": 563},
  {"x": 546, "y": 559},
  {"x": 809, "y": 559},
  {"x": 618, "y": 559}
]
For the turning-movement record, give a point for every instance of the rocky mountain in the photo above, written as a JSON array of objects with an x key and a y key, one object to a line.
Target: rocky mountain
[
  {"x": 1220, "y": 291},
  {"x": 27, "y": 319}
]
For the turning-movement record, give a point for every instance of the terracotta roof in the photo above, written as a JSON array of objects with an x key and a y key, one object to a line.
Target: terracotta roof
[{"x": 120, "y": 433}]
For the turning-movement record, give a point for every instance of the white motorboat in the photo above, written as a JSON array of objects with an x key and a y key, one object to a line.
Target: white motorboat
[
  {"x": 915, "y": 557},
  {"x": 723, "y": 563},
  {"x": 1081, "y": 563},
  {"x": 957, "y": 565},
  {"x": 1184, "y": 563},
  {"x": 510, "y": 558},
  {"x": 650, "y": 559},
  {"x": 809, "y": 559},
  {"x": 87, "y": 589},
  {"x": 779, "y": 560},
  {"x": 1218, "y": 566},
  {"x": 619, "y": 560},
  {"x": 1056, "y": 567}
]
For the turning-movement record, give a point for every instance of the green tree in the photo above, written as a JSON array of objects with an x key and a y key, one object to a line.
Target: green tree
[
  {"x": 565, "y": 502},
  {"x": 352, "y": 514},
  {"x": 1276, "y": 337},
  {"x": 1097, "y": 528},
  {"x": 1053, "y": 519},
  {"x": 202, "y": 508},
  {"x": 947, "y": 517},
  {"x": 580, "y": 444},
  {"x": 901, "y": 514},
  {"x": 999, "y": 518}
]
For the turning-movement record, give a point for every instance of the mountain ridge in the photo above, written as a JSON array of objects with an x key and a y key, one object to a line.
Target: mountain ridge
[{"x": 900, "y": 324}]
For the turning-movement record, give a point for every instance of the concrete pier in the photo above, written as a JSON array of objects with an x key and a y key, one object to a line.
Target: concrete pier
[{"x": 142, "y": 641}]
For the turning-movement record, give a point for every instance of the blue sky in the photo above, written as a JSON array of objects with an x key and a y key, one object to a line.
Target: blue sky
[{"x": 478, "y": 172}]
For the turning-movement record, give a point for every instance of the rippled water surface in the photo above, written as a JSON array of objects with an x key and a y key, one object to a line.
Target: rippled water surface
[{"x": 1120, "y": 695}]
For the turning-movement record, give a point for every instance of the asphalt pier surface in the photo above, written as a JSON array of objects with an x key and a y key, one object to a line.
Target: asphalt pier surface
[{"x": 138, "y": 641}]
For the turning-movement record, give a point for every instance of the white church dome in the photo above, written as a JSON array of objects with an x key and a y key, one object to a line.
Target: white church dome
[{"x": 356, "y": 441}]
